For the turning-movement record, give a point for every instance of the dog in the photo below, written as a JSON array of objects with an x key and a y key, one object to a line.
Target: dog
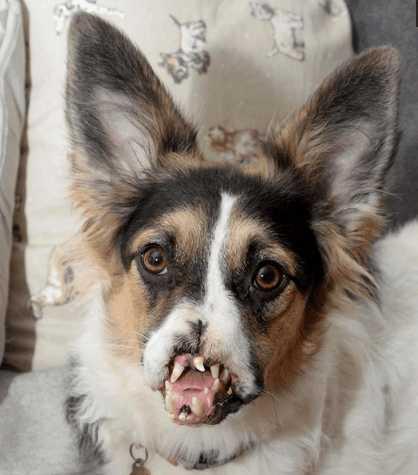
[{"x": 240, "y": 321}]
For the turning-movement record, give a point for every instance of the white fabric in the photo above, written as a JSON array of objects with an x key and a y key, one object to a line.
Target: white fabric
[
  {"x": 12, "y": 111},
  {"x": 233, "y": 67}
]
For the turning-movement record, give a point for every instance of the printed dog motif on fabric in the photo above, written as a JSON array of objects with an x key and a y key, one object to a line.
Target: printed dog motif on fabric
[
  {"x": 332, "y": 7},
  {"x": 67, "y": 278},
  {"x": 287, "y": 30},
  {"x": 191, "y": 54},
  {"x": 241, "y": 145},
  {"x": 64, "y": 10}
]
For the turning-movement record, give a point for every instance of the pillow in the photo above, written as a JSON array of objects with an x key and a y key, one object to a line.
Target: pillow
[
  {"x": 12, "y": 110},
  {"x": 233, "y": 67}
]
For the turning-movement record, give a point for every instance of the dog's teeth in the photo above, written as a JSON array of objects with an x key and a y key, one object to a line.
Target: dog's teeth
[
  {"x": 216, "y": 386},
  {"x": 169, "y": 404},
  {"x": 182, "y": 416},
  {"x": 206, "y": 390},
  {"x": 229, "y": 392},
  {"x": 225, "y": 376},
  {"x": 198, "y": 363},
  {"x": 214, "y": 370},
  {"x": 197, "y": 406},
  {"x": 167, "y": 386},
  {"x": 177, "y": 372}
]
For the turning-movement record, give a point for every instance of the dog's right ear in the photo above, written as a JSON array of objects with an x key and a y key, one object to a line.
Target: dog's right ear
[
  {"x": 123, "y": 123},
  {"x": 342, "y": 143}
]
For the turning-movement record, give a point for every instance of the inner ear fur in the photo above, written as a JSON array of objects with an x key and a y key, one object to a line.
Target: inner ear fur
[
  {"x": 124, "y": 126},
  {"x": 342, "y": 142}
]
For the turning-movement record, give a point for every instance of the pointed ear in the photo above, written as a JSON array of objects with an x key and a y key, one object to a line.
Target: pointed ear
[
  {"x": 343, "y": 142},
  {"x": 123, "y": 124}
]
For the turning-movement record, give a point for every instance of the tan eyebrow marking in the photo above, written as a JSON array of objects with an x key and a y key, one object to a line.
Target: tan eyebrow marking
[
  {"x": 244, "y": 230},
  {"x": 189, "y": 225}
]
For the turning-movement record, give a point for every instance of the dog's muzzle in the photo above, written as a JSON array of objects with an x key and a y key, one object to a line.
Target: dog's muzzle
[{"x": 200, "y": 392}]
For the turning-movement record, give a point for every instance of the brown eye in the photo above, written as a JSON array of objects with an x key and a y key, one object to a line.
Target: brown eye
[
  {"x": 154, "y": 260},
  {"x": 268, "y": 277}
]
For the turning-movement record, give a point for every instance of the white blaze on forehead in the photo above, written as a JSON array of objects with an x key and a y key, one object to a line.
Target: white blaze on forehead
[
  {"x": 215, "y": 281},
  {"x": 220, "y": 310},
  {"x": 225, "y": 335}
]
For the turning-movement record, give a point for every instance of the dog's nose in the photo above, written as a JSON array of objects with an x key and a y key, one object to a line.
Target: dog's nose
[{"x": 200, "y": 327}]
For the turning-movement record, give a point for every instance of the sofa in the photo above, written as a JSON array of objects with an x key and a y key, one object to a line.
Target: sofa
[{"x": 234, "y": 72}]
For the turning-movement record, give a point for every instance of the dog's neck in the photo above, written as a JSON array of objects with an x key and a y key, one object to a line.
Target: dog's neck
[{"x": 208, "y": 459}]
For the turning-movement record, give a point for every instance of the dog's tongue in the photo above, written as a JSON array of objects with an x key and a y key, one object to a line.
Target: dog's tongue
[{"x": 190, "y": 399}]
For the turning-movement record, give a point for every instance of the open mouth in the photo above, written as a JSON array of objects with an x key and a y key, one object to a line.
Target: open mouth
[{"x": 198, "y": 393}]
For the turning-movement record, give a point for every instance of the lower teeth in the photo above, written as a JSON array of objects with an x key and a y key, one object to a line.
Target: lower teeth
[
  {"x": 186, "y": 409},
  {"x": 197, "y": 406},
  {"x": 221, "y": 386},
  {"x": 216, "y": 386}
]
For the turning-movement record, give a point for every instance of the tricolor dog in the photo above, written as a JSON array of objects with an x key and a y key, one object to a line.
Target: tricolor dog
[{"x": 242, "y": 320}]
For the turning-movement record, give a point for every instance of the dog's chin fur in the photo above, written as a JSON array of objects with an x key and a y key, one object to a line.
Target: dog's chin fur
[{"x": 353, "y": 408}]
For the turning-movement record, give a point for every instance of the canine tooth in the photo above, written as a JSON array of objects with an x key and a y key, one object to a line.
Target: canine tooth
[
  {"x": 197, "y": 406},
  {"x": 214, "y": 370},
  {"x": 182, "y": 416},
  {"x": 216, "y": 386},
  {"x": 225, "y": 376},
  {"x": 229, "y": 392},
  {"x": 198, "y": 363},
  {"x": 177, "y": 372}
]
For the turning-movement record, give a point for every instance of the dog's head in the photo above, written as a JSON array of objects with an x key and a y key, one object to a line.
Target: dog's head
[{"x": 217, "y": 277}]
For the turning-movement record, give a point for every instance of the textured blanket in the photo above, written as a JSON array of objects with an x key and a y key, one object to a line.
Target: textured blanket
[{"x": 34, "y": 436}]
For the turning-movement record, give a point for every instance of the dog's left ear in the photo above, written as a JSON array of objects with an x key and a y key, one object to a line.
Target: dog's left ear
[
  {"x": 343, "y": 142},
  {"x": 123, "y": 124}
]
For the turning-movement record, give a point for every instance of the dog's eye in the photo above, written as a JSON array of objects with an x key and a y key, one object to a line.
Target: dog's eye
[
  {"x": 154, "y": 260},
  {"x": 268, "y": 276}
]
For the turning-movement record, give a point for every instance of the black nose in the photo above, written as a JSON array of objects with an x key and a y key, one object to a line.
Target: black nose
[
  {"x": 190, "y": 342},
  {"x": 198, "y": 328}
]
